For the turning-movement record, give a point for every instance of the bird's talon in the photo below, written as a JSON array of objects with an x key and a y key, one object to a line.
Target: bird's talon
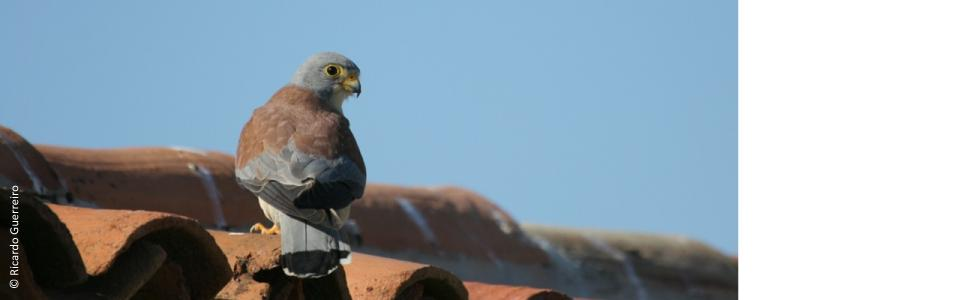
[{"x": 259, "y": 227}]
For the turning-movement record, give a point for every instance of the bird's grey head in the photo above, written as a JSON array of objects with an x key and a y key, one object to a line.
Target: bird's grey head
[{"x": 331, "y": 75}]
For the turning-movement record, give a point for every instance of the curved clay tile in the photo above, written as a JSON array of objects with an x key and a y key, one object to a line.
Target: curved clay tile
[
  {"x": 621, "y": 265},
  {"x": 251, "y": 257},
  {"x": 485, "y": 291},
  {"x": 55, "y": 259},
  {"x": 144, "y": 254},
  {"x": 254, "y": 259},
  {"x": 372, "y": 277},
  {"x": 448, "y": 221},
  {"x": 192, "y": 183},
  {"x": 455, "y": 229},
  {"x": 21, "y": 164}
]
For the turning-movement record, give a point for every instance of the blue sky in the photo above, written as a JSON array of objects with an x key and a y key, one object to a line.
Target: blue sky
[{"x": 614, "y": 115}]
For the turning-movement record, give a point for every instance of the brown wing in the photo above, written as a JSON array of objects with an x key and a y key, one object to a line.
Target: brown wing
[{"x": 298, "y": 156}]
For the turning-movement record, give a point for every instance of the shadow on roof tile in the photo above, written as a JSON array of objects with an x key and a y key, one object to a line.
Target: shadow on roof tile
[{"x": 41, "y": 236}]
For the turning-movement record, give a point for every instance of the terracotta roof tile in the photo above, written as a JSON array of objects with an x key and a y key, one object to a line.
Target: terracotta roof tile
[
  {"x": 254, "y": 259},
  {"x": 454, "y": 222},
  {"x": 41, "y": 236},
  {"x": 627, "y": 264},
  {"x": 485, "y": 291},
  {"x": 21, "y": 164},
  {"x": 372, "y": 277},
  {"x": 110, "y": 253},
  {"x": 457, "y": 230},
  {"x": 192, "y": 183},
  {"x": 130, "y": 247},
  {"x": 248, "y": 256},
  {"x": 57, "y": 262},
  {"x": 256, "y": 274}
]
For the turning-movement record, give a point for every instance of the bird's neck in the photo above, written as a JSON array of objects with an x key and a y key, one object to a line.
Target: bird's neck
[{"x": 334, "y": 101}]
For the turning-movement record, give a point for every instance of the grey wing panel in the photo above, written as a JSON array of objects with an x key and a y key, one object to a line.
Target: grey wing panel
[
  {"x": 293, "y": 167},
  {"x": 296, "y": 182}
]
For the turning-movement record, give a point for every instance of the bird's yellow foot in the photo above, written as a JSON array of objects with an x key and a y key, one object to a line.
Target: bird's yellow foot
[{"x": 263, "y": 230}]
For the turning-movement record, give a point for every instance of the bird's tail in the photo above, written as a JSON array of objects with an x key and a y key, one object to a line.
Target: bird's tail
[{"x": 311, "y": 250}]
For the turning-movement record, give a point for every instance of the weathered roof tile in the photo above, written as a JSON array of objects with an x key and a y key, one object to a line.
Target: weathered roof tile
[
  {"x": 445, "y": 221},
  {"x": 197, "y": 184},
  {"x": 22, "y": 164},
  {"x": 372, "y": 277},
  {"x": 123, "y": 245}
]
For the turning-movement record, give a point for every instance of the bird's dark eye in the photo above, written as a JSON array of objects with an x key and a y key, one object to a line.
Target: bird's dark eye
[{"x": 332, "y": 70}]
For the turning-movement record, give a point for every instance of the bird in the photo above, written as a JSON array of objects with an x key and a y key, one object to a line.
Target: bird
[{"x": 298, "y": 155}]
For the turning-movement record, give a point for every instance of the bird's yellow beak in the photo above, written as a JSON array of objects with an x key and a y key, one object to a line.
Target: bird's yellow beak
[{"x": 352, "y": 85}]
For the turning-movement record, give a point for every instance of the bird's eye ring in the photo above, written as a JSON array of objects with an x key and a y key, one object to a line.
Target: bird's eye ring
[{"x": 332, "y": 71}]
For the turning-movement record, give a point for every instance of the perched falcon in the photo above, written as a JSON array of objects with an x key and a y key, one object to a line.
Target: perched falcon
[{"x": 299, "y": 157}]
